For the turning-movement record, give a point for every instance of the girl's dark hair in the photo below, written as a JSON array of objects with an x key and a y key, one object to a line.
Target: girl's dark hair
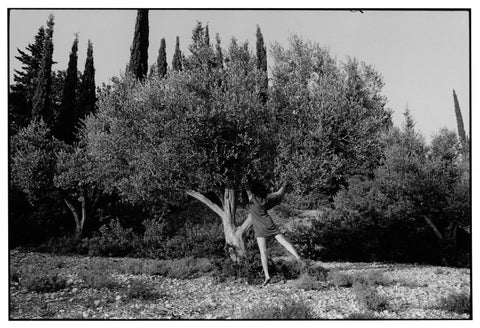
[{"x": 258, "y": 189}]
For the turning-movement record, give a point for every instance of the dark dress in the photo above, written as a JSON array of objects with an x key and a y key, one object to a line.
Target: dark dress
[{"x": 263, "y": 225}]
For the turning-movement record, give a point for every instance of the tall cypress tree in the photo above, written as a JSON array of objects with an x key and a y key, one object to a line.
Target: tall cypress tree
[
  {"x": 218, "y": 52},
  {"x": 66, "y": 118},
  {"x": 458, "y": 114},
  {"x": 177, "y": 57},
  {"x": 262, "y": 64},
  {"x": 207, "y": 36},
  {"x": 86, "y": 98},
  {"x": 41, "y": 103},
  {"x": 162, "y": 59},
  {"x": 138, "y": 65}
]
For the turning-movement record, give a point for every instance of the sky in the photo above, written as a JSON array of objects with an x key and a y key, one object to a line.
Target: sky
[{"x": 422, "y": 55}]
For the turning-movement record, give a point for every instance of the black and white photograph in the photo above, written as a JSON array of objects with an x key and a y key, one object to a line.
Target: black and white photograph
[{"x": 258, "y": 163}]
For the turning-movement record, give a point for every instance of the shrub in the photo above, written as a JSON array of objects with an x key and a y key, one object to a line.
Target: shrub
[
  {"x": 134, "y": 266},
  {"x": 456, "y": 302},
  {"x": 143, "y": 291},
  {"x": 44, "y": 283},
  {"x": 60, "y": 245},
  {"x": 181, "y": 268},
  {"x": 98, "y": 275},
  {"x": 340, "y": 279},
  {"x": 98, "y": 280},
  {"x": 372, "y": 278},
  {"x": 285, "y": 269},
  {"x": 289, "y": 308},
  {"x": 369, "y": 297},
  {"x": 111, "y": 240},
  {"x": 360, "y": 316},
  {"x": 307, "y": 282}
]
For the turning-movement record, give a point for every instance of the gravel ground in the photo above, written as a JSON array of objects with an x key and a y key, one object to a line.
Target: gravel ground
[{"x": 414, "y": 293}]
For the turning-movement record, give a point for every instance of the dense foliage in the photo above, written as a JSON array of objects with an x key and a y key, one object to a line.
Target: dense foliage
[{"x": 123, "y": 165}]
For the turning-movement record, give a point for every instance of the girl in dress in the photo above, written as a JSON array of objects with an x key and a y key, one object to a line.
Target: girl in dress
[{"x": 259, "y": 202}]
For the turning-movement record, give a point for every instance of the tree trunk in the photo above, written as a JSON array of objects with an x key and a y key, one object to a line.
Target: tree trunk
[{"x": 234, "y": 236}]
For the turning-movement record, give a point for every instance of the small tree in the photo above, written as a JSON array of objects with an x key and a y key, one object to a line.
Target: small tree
[{"x": 44, "y": 167}]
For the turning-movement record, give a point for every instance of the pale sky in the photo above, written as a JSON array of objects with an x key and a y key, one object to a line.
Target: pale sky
[{"x": 422, "y": 55}]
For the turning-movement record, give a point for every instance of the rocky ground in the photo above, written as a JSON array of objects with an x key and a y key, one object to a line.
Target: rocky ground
[{"x": 413, "y": 292}]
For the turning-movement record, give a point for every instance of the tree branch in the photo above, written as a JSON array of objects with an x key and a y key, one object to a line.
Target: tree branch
[
  {"x": 214, "y": 207},
  {"x": 73, "y": 210},
  {"x": 434, "y": 228}
]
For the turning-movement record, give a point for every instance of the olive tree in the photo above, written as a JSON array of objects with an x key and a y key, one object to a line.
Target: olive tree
[
  {"x": 330, "y": 117},
  {"x": 202, "y": 132}
]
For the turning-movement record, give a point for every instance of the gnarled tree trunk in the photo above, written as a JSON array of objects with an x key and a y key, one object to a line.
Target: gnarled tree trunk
[{"x": 234, "y": 235}]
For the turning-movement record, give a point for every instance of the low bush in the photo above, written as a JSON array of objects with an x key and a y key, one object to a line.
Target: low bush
[
  {"x": 98, "y": 275},
  {"x": 372, "y": 278},
  {"x": 289, "y": 308},
  {"x": 142, "y": 291},
  {"x": 340, "y": 279},
  {"x": 43, "y": 283},
  {"x": 111, "y": 240},
  {"x": 360, "y": 316},
  {"x": 181, "y": 268},
  {"x": 307, "y": 282},
  {"x": 456, "y": 302},
  {"x": 369, "y": 297}
]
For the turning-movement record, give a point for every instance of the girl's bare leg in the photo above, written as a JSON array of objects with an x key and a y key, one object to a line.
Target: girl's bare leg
[
  {"x": 262, "y": 245},
  {"x": 285, "y": 243}
]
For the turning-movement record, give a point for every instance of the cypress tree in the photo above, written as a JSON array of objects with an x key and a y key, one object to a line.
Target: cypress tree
[
  {"x": 177, "y": 57},
  {"x": 458, "y": 115},
  {"x": 218, "y": 52},
  {"x": 207, "y": 36},
  {"x": 162, "y": 59},
  {"x": 41, "y": 103},
  {"x": 66, "y": 119},
  {"x": 261, "y": 52},
  {"x": 262, "y": 64},
  {"x": 86, "y": 98},
  {"x": 138, "y": 65}
]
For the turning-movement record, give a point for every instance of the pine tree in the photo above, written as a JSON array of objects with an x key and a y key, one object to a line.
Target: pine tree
[
  {"x": 31, "y": 60},
  {"x": 86, "y": 98},
  {"x": 42, "y": 106},
  {"x": 138, "y": 65},
  {"x": 22, "y": 91},
  {"x": 177, "y": 57},
  {"x": 458, "y": 115},
  {"x": 66, "y": 120},
  {"x": 262, "y": 64},
  {"x": 162, "y": 59}
]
